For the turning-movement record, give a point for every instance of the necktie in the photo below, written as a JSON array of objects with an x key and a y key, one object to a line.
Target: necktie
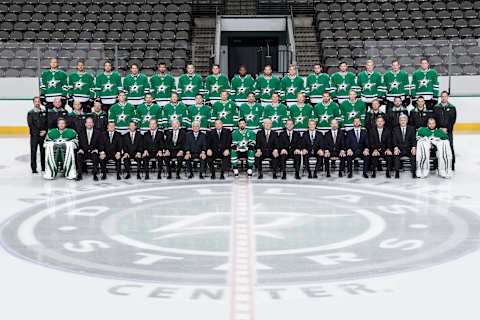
[
  {"x": 174, "y": 139},
  {"x": 380, "y": 136},
  {"x": 357, "y": 133},
  {"x": 111, "y": 136},
  {"x": 219, "y": 133},
  {"x": 196, "y": 136},
  {"x": 290, "y": 136},
  {"x": 89, "y": 136},
  {"x": 403, "y": 134},
  {"x": 267, "y": 133},
  {"x": 312, "y": 137},
  {"x": 132, "y": 136},
  {"x": 334, "y": 136},
  {"x": 153, "y": 135}
]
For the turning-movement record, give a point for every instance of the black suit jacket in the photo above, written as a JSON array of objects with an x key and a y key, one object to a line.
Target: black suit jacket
[
  {"x": 219, "y": 145},
  {"x": 315, "y": 145},
  {"x": 353, "y": 144},
  {"x": 198, "y": 145},
  {"x": 296, "y": 143},
  {"x": 132, "y": 147},
  {"x": 181, "y": 139},
  {"x": 95, "y": 141},
  {"x": 406, "y": 144},
  {"x": 110, "y": 148},
  {"x": 264, "y": 145},
  {"x": 37, "y": 122},
  {"x": 376, "y": 144},
  {"x": 153, "y": 145},
  {"x": 338, "y": 145}
]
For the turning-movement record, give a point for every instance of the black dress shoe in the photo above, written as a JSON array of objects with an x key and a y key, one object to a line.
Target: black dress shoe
[
  {"x": 222, "y": 177},
  {"x": 315, "y": 175},
  {"x": 190, "y": 176},
  {"x": 397, "y": 175},
  {"x": 34, "y": 171},
  {"x": 138, "y": 176},
  {"x": 374, "y": 175},
  {"x": 297, "y": 176},
  {"x": 388, "y": 175},
  {"x": 275, "y": 176},
  {"x": 95, "y": 178},
  {"x": 201, "y": 176},
  {"x": 159, "y": 176},
  {"x": 310, "y": 175},
  {"x": 260, "y": 175},
  {"x": 414, "y": 175},
  {"x": 284, "y": 176},
  {"x": 340, "y": 174},
  {"x": 328, "y": 175},
  {"x": 178, "y": 177},
  {"x": 350, "y": 175},
  {"x": 365, "y": 176},
  {"x": 169, "y": 176},
  {"x": 79, "y": 177},
  {"x": 119, "y": 177},
  {"x": 212, "y": 177},
  {"x": 103, "y": 177},
  {"x": 127, "y": 176},
  {"x": 147, "y": 177}
]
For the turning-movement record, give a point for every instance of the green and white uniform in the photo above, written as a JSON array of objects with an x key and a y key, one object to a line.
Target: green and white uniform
[
  {"x": 425, "y": 139},
  {"x": 253, "y": 115},
  {"x": 241, "y": 87},
  {"x": 243, "y": 141},
  {"x": 162, "y": 86},
  {"x": 425, "y": 83},
  {"x": 188, "y": 87},
  {"x": 351, "y": 110},
  {"x": 265, "y": 87},
  {"x": 371, "y": 85},
  {"x": 397, "y": 84},
  {"x": 214, "y": 85},
  {"x": 301, "y": 114},
  {"x": 53, "y": 84},
  {"x": 121, "y": 115},
  {"x": 145, "y": 113},
  {"x": 136, "y": 86},
  {"x": 278, "y": 114},
  {"x": 325, "y": 113},
  {"x": 81, "y": 86},
  {"x": 225, "y": 111},
  {"x": 173, "y": 112},
  {"x": 108, "y": 86},
  {"x": 290, "y": 88},
  {"x": 341, "y": 84},
  {"x": 60, "y": 153},
  {"x": 317, "y": 84},
  {"x": 202, "y": 114}
]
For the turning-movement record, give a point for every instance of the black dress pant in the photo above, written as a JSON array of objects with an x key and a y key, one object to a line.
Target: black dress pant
[
  {"x": 376, "y": 162},
  {"x": 146, "y": 162},
  {"x": 296, "y": 161},
  {"x": 168, "y": 162},
  {"x": 82, "y": 156},
  {"x": 193, "y": 157},
  {"x": 36, "y": 142},
  {"x": 318, "y": 163},
  {"x": 265, "y": 155},
  {"x": 411, "y": 158},
  {"x": 103, "y": 164},
  {"x": 328, "y": 160},
  {"x": 366, "y": 162},
  {"x": 127, "y": 162},
  {"x": 215, "y": 156}
]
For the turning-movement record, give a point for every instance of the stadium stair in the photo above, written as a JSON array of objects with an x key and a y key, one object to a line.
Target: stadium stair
[
  {"x": 203, "y": 41},
  {"x": 306, "y": 44}
]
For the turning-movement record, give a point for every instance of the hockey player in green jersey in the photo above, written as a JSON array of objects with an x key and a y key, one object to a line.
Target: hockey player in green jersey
[
  {"x": 226, "y": 111},
  {"x": 147, "y": 111},
  {"x": 317, "y": 84},
  {"x": 136, "y": 85},
  {"x": 201, "y": 113},
  {"x": 266, "y": 85},
  {"x": 397, "y": 83},
  {"x": 215, "y": 84},
  {"x": 371, "y": 84},
  {"x": 342, "y": 82},
  {"x": 277, "y": 112},
  {"x": 325, "y": 111},
  {"x": 301, "y": 113},
  {"x": 108, "y": 84},
  {"x": 242, "y": 85},
  {"x": 291, "y": 85},
  {"x": 162, "y": 85},
  {"x": 121, "y": 113},
  {"x": 252, "y": 112},
  {"x": 352, "y": 108},
  {"x": 53, "y": 84},
  {"x": 189, "y": 85},
  {"x": 175, "y": 110},
  {"x": 60, "y": 144},
  {"x": 425, "y": 84},
  {"x": 81, "y": 87},
  {"x": 243, "y": 142},
  {"x": 426, "y": 138}
]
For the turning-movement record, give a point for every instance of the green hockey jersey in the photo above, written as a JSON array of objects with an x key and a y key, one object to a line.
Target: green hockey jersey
[
  {"x": 301, "y": 114},
  {"x": 81, "y": 86},
  {"x": 173, "y": 112},
  {"x": 201, "y": 114},
  {"x": 227, "y": 112},
  {"x": 317, "y": 84},
  {"x": 121, "y": 115},
  {"x": 425, "y": 83},
  {"x": 162, "y": 87},
  {"x": 265, "y": 87},
  {"x": 67, "y": 134},
  {"x": 371, "y": 85},
  {"x": 53, "y": 84},
  {"x": 108, "y": 86},
  {"x": 136, "y": 86},
  {"x": 277, "y": 114},
  {"x": 351, "y": 110},
  {"x": 243, "y": 139},
  {"x": 341, "y": 84},
  {"x": 145, "y": 113},
  {"x": 188, "y": 87},
  {"x": 213, "y": 87},
  {"x": 325, "y": 113},
  {"x": 426, "y": 132},
  {"x": 290, "y": 88},
  {"x": 241, "y": 87},
  {"x": 253, "y": 114},
  {"x": 397, "y": 84}
]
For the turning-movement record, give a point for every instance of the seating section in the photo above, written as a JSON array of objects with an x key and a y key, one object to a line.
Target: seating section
[
  {"x": 355, "y": 30},
  {"x": 142, "y": 31}
]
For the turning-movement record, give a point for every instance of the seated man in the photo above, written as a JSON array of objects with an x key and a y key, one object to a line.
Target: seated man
[
  {"x": 266, "y": 144},
  {"x": 89, "y": 142},
  {"x": 60, "y": 145},
  {"x": 111, "y": 149},
  {"x": 380, "y": 141},
  {"x": 426, "y": 138},
  {"x": 312, "y": 143},
  {"x": 404, "y": 145},
  {"x": 174, "y": 148},
  {"x": 153, "y": 145},
  {"x": 357, "y": 147},
  {"x": 219, "y": 141},
  {"x": 334, "y": 146},
  {"x": 290, "y": 146},
  {"x": 196, "y": 148},
  {"x": 243, "y": 143},
  {"x": 132, "y": 146}
]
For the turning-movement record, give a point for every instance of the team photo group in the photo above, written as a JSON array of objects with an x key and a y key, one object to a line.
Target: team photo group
[{"x": 162, "y": 126}]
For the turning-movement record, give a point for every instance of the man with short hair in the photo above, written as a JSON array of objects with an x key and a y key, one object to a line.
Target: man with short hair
[
  {"x": 404, "y": 145},
  {"x": 380, "y": 141},
  {"x": 425, "y": 83},
  {"x": 174, "y": 148},
  {"x": 266, "y": 144},
  {"x": 357, "y": 147},
  {"x": 147, "y": 111},
  {"x": 196, "y": 149},
  {"x": 111, "y": 149},
  {"x": 215, "y": 84},
  {"x": 175, "y": 110},
  {"x": 55, "y": 113},
  {"x": 352, "y": 108},
  {"x": 122, "y": 113},
  {"x": 200, "y": 113},
  {"x": 154, "y": 143},
  {"x": 252, "y": 112},
  {"x": 397, "y": 84},
  {"x": 445, "y": 115},
  {"x": 291, "y": 85},
  {"x": 108, "y": 85},
  {"x": 225, "y": 110},
  {"x": 53, "y": 84},
  {"x": 100, "y": 117},
  {"x": 132, "y": 146},
  {"x": 393, "y": 115},
  {"x": 243, "y": 143},
  {"x": 317, "y": 84},
  {"x": 420, "y": 114},
  {"x": 334, "y": 147},
  {"x": 89, "y": 144},
  {"x": 37, "y": 127},
  {"x": 266, "y": 85},
  {"x": 313, "y": 147},
  {"x": 219, "y": 141},
  {"x": 81, "y": 87},
  {"x": 242, "y": 85},
  {"x": 371, "y": 84},
  {"x": 162, "y": 85},
  {"x": 76, "y": 118},
  {"x": 290, "y": 146},
  {"x": 342, "y": 82},
  {"x": 325, "y": 111},
  {"x": 136, "y": 85},
  {"x": 372, "y": 115},
  {"x": 301, "y": 113},
  {"x": 190, "y": 84},
  {"x": 277, "y": 112}
]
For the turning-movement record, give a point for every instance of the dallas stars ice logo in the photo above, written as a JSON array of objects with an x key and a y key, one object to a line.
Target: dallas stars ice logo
[
  {"x": 342, "y": 86},
  {"x": 424, "y": 82},
  {"x": 368, "y": 86},
  {"x": 223, "y": 114},
  {"x": 241, "y": 89},
  {"x": 122, "y": 117},
  {"x": 161, "y": 88},
  {"x": 189, "y": 87},
  {"x": 394, "y": 85},
  {"x": 267, "y": 90},
  {"x": 214, "y": 88},
  {"x": 107, "y": 86},
  {"x": 53, "y": 83},
  {"x": 299, "y": 119},
  {"x": 134, "y": 87},
  {"x": 250, "y": 117},
  {"x": 79, "y": 84},
  {"x": 352, "y": 114},
  {"x": 291, "y": 90}
]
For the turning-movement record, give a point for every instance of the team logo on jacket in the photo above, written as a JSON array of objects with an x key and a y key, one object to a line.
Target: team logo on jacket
[{"x": 181, "y": 233}]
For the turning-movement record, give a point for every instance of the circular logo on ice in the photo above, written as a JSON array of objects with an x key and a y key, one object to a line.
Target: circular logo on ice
[{"x": 182, "y": 233}]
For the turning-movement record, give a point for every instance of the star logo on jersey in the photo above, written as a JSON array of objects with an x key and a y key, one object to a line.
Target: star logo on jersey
[
  {"x": 161, "y": 88},
  {"x": 241, "y": 89},
  {"x": 315, "y": 86},
  {"x": 189, "y": 87},
  {"x": 243, "y": 144},
  {"x": 275, "y": 117},
  {"x": 267, "y": 90},
  {"x": 79, "y": 84},
  {"x": 214, "y": 88},
  {"x": 342, "y": 86},
  {"x": 198, "y": 118},
  {"x": 250, "y": 117},
  {"x": 352, "y": 114},
  {"x": 134, "y": 87},
  {"x": 299, "y": 119},
  {"x": 368, "y": 86},
  {"x": 324, "y": 117},
  {"x": 424, "y": 82},
  {"x": 107, "y": 86},
  {"x": 291, "y": 90},
  {"x": 147, "y": 117},
  {"x": 174, "y": 117},
  {"x": 223, "y": 114},
  {"x": 122, "y": 117},
  {"x": 394, "y": 85},
  {"x": 53, "y": 83}
]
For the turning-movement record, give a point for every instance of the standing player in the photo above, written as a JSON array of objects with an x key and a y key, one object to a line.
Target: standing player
[
  {"x": 252, "y": 112},
  {"x": 325, "y": 111},
  {"x": 266, "y": 85},
  {"x": 397, "y": 83},
  {"x": 225, "y": 110},
  {"x": 243, "y": 143},
  {"x": 136, "y": 85},
  {"x": 301, "y": 113},
  {"x": 342, "y": 82},
  {"x": 189, "y": 85},
  {"x": 37, "y": 125},
  {"x": 242, "y": 85},
  {"x": 107, "y": 86},
  {"x": 162, "y": 85},
  {"x": 317, "y": 84},
  {"x": 146, "y": 112},
  {"x": 53, "y": 84},
  {"x": 201, "y": 113},
  {"x": 445, "y": 115},
  {"x": 175, "y": 111},
  {"x": 215, "y": 84},
  {"x": 425, "y": 84},
  {"x": 351, "y": 109},
  {"x": 277, "y": 112},
  {"x": 121, "y": 113},
  {"x": 81, "y": 87},
  {"x": 371, "y": 84},
  {"x": 291, "y": 85}
]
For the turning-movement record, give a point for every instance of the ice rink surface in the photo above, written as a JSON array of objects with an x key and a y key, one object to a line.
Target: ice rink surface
[{"x": 332, "y": 249}]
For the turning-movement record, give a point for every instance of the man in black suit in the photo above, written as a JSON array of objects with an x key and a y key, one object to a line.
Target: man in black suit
[
  {"x": 111, "y": 149},
  {"x": 132, "y": 146},
  {"x": 196, "y": 148},
  {"x": 266, "y": 146},
  {"x": 380, "y": 141},
  {"x": 290, "y": 145},
  {"x": 312, "y": 143},
  {"x": 357, "y": 147},
  {"x": 153, "y": 145},
  {"x": 174, "y": 148},
  {"x": 334, "y": 146},
  {"x": 404, "y": 145},
  {"x": 89, "y": 143},
  {"x": 55, "y": 113},
  {"x": 37, "y": 126},
  {"x": 219, "y": 141}
]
